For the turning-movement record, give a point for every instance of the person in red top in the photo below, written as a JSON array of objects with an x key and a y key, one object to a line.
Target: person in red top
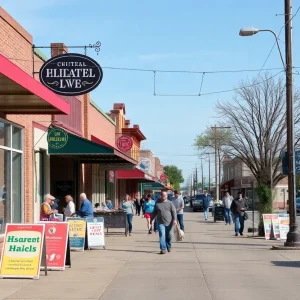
[{"x": 46, "y": 210}]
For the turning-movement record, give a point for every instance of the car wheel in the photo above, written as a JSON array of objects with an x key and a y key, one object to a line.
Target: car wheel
[{"x": 194, "y": 209}]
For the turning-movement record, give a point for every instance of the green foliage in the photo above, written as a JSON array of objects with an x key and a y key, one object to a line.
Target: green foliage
[
  {"x": 174, "y": 176},
  {"x": 265, "y": 205},
  {"x": 211, "y": 139}
]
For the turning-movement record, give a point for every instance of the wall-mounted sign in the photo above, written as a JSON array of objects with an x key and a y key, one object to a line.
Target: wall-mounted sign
[
  {"x": 57, "y": 138},
  {"x": 71, "y": 74},
  {"x": 124, "y": 143},
  {"x": 163, "y": 177},
  {"x": 22, "y": 251},
  {"x": 111, "y": 176},
  {"x": 145, "y": 164}
]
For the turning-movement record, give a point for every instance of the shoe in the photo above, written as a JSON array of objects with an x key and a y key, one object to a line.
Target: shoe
[
  {"x": 226, "y": 224},
  {"x": 163, "y": 252},
  {"x": 155, "y": 231},
  {"x": 129, "y": 233},
  {"x": 236, "y": 234},
  {"x": 169, "y": 249},
  {"x": 241, "y": 233},
  {"x": 150, "y": 232},
  {"x": 205, "y": 219}
]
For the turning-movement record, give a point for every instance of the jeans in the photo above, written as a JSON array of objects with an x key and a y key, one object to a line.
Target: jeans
[
  {"x": 239, "y": 223},
  {"x": 155, "y": 225},
  {"x": 137, "y": 209},
  {"x": 206, "y": 212},
  {"x": 165, "y": 236},
  {"x": 129, "y": 220},
  {"x": 180, "y": 221},
  {"x": 227, "y": 213}
]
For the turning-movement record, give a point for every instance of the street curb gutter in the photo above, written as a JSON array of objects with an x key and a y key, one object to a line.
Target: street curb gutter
[{"x": 284, "y": 248}]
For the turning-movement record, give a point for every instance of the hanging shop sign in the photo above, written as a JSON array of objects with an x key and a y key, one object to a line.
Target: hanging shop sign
[
  {"x": 95, "y": 232},
  {"x": 57, "y": 138},
  {"x": 124, "y": 143},
  {"x": 22, "y": 251},
  {"x": 77, "y": 230},
  {"x": 56, "y": 235},
  {"x": 163, "y": 177},
  {"x": 71, "y": 74},
  {"x": 111, "y": 175},
  {"x": 145, "y": 164}
]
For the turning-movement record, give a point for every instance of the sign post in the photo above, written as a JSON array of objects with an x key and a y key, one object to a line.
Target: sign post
[
  {"x": 22, "y": 251},
  {"x": 95, "y": 232},
  {"x": 77, "y": 230}
]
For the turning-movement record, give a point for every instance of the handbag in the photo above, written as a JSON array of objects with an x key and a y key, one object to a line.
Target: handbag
[{"x": 246, "y": 216}]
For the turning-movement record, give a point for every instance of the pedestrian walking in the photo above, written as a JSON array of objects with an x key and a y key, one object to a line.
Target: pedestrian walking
[
  {"x": 165, "y": 212},
  {"x": 128, "y": 206},
  {"x": 238, "y": 208},
  {"x": 227, "y": 200},
  {"x": 179, "y": 205},
  {"x": 148, "y": 208},
  {"x": 206, "y": 202},
  {"x": 137, "y": 202},
  {"x": 143, "y": 199},
  {"x": 46, "y": 210}
]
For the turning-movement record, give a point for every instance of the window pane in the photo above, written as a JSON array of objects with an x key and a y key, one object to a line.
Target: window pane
[
  {"x": 17, "y": 187},
  {"x": 5, "y": 202},
  {"x": 4, "y": 134},
  {"x": 17, "y": 138}
]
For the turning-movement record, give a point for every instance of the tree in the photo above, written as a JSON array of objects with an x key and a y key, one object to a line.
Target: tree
[
  {"x": 212, "y": 140},
  {"x": 257, "y": 117},
  {"x": 174, "y": 176}
]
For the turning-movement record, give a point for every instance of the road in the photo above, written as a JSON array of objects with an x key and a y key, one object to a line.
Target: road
[{"x": 210, "y": 264}]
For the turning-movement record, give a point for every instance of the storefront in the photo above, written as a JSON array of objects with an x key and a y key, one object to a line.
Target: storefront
[
  {"x": 20, "y": 95},
  {"x": 129, "y": 182},
  {"x": 84, "y": 164}
]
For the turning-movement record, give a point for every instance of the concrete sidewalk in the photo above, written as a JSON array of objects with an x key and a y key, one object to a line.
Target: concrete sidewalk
[{"x": 209, "y": 264}]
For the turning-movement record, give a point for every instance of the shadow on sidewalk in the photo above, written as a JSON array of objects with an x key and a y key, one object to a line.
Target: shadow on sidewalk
[
  {"x": 136, "y": 251},
  {"x": 289, "y": 264}
]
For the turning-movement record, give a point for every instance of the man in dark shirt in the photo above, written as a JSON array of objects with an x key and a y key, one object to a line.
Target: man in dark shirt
[
  {"x": 238, "y": 208},
  {"x": 137, "y": 202},
  {"x": 165, "y": 212}
]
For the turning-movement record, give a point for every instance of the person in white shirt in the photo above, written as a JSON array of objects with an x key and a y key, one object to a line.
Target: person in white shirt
[
  {"x": 70, "y": 208},
  {"x": 227, "y": 200}
]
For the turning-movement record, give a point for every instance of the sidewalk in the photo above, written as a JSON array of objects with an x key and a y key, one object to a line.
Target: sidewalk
[{"x": 210, "y": 264}]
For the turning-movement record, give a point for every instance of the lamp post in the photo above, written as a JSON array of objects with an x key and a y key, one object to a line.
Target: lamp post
[{"x": 293, "y": 237}]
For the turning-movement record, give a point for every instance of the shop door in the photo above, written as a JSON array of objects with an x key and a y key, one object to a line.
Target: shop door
[{"x": 98, "y": 188}]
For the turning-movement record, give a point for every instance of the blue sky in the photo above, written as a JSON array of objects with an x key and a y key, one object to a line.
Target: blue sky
[{"x": 170, "y": 35}]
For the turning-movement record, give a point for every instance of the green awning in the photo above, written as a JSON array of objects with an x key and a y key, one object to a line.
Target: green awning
[
  {"x": 68, "y": 145},
  {"x": 153, "y": 186}
]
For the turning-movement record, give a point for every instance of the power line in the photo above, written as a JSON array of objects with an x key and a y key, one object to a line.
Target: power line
[
  {"x": 262, "y": 68},
  {"x": 217, "y": 92},
  {"x": 168, "y": 71}
]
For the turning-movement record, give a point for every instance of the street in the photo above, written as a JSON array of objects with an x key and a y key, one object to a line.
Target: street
[{"x": 209, "y": 264}]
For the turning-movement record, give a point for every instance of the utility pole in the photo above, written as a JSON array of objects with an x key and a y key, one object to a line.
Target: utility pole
[
  {"x": 196, "y": 181},
  {"x": 216, "y": 158},
  {"x": 201, "y": 158},
  {"x": 293, "y": 236},
  {"x": 208, "y": 173}
]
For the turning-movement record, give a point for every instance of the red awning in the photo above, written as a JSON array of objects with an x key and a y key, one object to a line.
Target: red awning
[
  {"x": 134, "y": 174},
  {"x": 116, "y": 152},
  {"x": 22, "y": 94}
]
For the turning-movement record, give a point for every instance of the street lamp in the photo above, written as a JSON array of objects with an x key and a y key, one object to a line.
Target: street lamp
[
  {"x": 293, "y": 236},
  {"x": 249, "y": 31}
]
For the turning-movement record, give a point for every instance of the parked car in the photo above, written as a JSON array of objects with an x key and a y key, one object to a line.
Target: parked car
[
  {"x": 297, "y": 206},
  {"x": 211, "y": 204}
]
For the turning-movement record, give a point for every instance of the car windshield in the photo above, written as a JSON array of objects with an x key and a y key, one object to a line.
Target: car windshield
[
  {"x": 200, "y": 197},
  {"x": 298, "y": 200}
]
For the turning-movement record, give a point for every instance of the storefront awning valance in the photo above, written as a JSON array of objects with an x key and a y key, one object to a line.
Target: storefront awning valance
[
  {"x": 153, "y": 186},
  {"x": 68, "y": 145},
  {"x": 22, "y": 94},
  {"x": 134, "y": 174}
]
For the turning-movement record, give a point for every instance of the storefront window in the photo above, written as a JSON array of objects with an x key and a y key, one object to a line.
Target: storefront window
[{"x": 11, "y": 160}]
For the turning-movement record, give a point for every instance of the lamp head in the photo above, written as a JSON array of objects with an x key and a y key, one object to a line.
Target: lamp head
[{"x": 248, "y": 31}]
